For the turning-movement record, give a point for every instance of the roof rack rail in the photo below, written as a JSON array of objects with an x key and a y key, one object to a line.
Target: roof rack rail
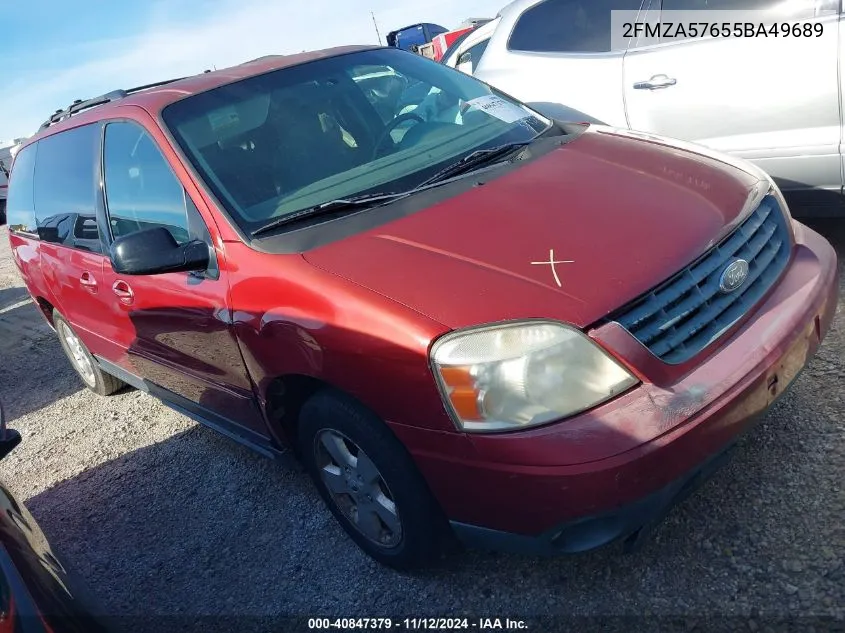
[{"x": 79, "y": 105}]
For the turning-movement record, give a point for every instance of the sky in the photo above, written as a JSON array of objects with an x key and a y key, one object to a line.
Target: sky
[{"x": 55, "y": 52}]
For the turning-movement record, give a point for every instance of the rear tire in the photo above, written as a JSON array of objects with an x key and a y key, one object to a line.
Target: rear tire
[
  {"x": 370, "y": 483},
  {"x": 82, "y": 361}
]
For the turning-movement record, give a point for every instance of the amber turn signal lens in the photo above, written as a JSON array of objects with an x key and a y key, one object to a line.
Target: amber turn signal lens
[{"x": 461, "y": 391}]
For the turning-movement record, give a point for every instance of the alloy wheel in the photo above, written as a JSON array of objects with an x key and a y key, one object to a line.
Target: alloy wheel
[
  {"x": 78, "y": 357},
  {"x": 358, "y": 488}
]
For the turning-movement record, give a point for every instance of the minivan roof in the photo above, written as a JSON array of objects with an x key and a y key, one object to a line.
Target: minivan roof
[{"x": 157, "y": 97}]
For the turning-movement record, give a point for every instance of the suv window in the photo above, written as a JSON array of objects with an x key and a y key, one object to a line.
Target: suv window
[
  {"x": 65, "y": 188},
  {"x": 567, "y": 26},
  {"x": 142, "y": 192},
  {"x": 20, "y": 204},
  {"x": 474, "y": 53}
]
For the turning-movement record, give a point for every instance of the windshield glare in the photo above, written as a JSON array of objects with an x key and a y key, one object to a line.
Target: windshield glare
[{"x": 373, "y": 121}]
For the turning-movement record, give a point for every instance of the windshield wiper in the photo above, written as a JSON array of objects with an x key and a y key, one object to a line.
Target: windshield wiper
[
  {"x": 472, "y": 161},
  {"x": 332, "y": 206}
]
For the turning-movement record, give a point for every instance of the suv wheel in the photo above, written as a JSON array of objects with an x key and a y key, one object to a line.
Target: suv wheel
[
  {"x": 369, "y": 482},
  {"x": 80, "y": 358}
]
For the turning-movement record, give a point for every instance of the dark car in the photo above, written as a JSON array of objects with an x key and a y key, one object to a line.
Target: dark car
[
  {"x": 4, "y": 175},
  {"x": 465, "y": 317},
  {"x": 409, "y": 37},
  {"x": 37, "y": 593}
]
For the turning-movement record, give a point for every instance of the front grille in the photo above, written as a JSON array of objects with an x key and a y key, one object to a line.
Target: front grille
[{"x": 685, "y": 314}]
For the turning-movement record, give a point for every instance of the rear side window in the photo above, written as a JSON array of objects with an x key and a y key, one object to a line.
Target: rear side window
[
  {"x": 20, "y": 204},
  {"x": 142, "y": 192},
  {"x": 567, "y": 26},
  {"x": 65, "y": 188}
]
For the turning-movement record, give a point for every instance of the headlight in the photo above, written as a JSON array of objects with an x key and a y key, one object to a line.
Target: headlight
[{"x": 517, "y": 375}]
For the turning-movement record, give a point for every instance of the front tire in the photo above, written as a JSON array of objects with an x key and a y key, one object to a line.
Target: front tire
[
  {"x": 82, "y": 361},
  {"x": 369, "y": 482}
]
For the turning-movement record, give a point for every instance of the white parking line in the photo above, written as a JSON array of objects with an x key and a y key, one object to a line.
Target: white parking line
[{"x": 19, "y": 304}]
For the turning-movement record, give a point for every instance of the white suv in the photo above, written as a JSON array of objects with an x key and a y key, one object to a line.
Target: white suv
[{"x": 756, "y": 98}]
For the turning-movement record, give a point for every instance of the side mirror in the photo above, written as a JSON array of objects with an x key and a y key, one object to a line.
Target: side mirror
[{"x": 154, "y": 252}]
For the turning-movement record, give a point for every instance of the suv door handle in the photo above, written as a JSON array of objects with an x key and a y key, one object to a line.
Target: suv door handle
[
  {"x": 87, "y": 281},
  {"x": 656, "y": 83},
  {"x": 123, "y": 292}
]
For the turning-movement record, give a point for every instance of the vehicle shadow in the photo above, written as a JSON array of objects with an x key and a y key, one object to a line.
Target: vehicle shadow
[
  {"x": 27, "y": 382},
  {"x": 833, "y": 230},
  {"x": 810, "y": 204},
  {"x": 192, "y": 526}
]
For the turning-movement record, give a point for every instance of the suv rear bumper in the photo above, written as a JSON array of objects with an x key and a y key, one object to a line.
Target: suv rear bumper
[{"x": 515, "y": 496}]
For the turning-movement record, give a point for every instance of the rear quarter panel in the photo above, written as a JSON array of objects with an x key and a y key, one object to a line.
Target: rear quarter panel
[{"x": 27, "y": 257}]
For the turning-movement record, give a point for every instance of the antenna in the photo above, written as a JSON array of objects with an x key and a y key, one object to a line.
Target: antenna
[{"x": 375, "y": 24}]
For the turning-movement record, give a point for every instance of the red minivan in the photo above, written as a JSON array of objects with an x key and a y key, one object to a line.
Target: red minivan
[{"x": 465, "y": 318}]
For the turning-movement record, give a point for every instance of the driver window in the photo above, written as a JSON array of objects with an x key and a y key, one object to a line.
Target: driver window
[{"x": 141, "y": 190}]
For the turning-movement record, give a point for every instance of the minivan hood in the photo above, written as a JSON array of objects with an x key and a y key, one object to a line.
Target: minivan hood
[{"x": 622, "y": 212}]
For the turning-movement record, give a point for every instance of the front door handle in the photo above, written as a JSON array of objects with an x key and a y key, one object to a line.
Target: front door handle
[
  {"x": 656, "y": 83},
  {"x": 123, "y": 292},
  {"x": 87, "y": 281}
]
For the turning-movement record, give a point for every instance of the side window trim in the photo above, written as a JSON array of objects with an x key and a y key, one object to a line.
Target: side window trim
[{"x": 102, "y": 208}]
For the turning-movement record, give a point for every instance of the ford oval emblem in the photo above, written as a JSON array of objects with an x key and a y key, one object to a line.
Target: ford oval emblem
[{"x": 733, "y": 276}]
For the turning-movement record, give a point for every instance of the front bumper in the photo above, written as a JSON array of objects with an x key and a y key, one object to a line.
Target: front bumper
[
  {"x": 601, "y": 476},
  {"x": 630, "y": 521}
]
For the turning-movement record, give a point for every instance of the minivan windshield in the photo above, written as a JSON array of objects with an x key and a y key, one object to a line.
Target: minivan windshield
[{"x": 375, "y": 121}]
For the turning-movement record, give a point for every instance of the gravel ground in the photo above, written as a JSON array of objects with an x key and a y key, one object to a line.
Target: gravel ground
[{"x": 163, "y": 517}]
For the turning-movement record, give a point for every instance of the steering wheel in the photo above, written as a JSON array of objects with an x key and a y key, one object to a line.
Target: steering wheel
[{"x": 392, "y": 125}]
